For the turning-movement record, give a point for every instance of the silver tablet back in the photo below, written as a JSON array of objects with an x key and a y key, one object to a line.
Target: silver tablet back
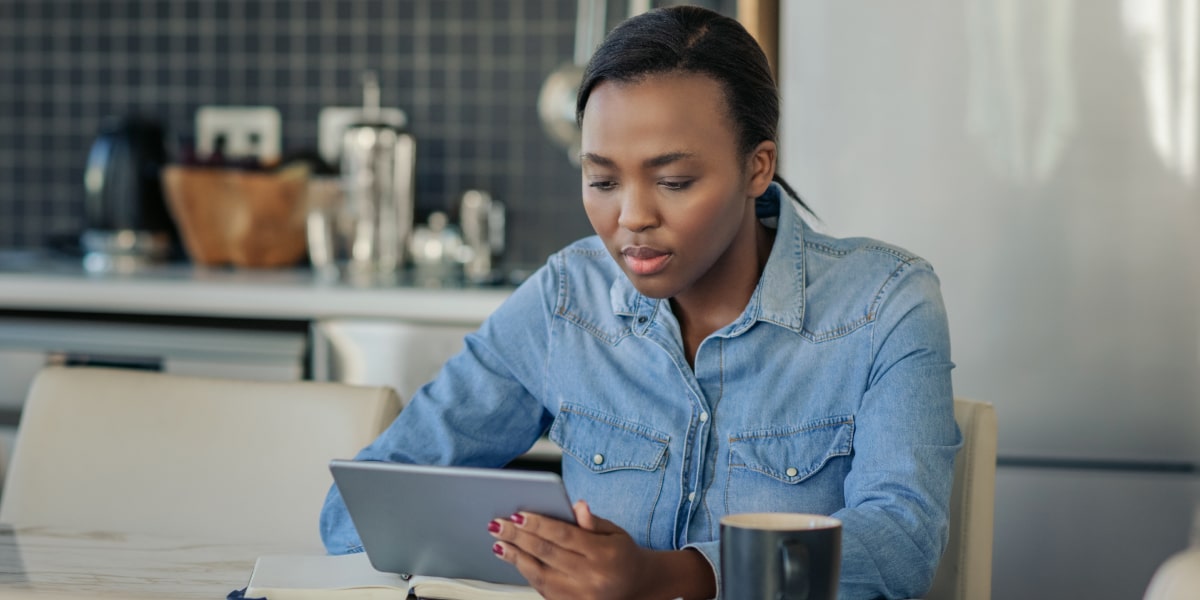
[{"x": 423, "y": 520}]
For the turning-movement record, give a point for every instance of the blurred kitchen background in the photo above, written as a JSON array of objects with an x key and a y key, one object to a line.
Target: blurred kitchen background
[
  {"x": 1040, "y": 153},
  {"x": 466, "y": 73}
]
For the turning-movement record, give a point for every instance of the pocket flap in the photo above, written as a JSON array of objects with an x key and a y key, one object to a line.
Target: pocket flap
[
  {"x": 605, "y": 443},
  {"x": 794, "y": 454}
]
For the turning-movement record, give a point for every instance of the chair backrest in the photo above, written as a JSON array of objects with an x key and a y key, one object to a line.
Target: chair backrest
[
  {"x": 965, "y": 572},
  {"x": 1177, "y": 579},
  {"x": 229, "y": 460}
]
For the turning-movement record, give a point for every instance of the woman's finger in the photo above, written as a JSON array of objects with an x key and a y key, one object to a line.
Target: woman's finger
[
  {"x": 559, "y": 533},
  {"x": 583, "y": 515},
  {"x": 562, "y": 559},
  {"x": 539, "y": 541},
  {"x": 532, "y": 569},
  {"x": 590, "y": 522}
]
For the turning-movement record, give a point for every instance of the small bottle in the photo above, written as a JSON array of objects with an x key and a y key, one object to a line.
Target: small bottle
[{"x": 482, "y": 222}]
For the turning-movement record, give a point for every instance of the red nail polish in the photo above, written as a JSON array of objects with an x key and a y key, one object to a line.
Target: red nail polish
[
  {"x": 517, "y": 518},
  {"x": 494, "y": 527},
  {"x": 497, "y": 549}
]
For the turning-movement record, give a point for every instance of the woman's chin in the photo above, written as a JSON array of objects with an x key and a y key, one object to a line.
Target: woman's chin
[{"x": 653, "y": 286}]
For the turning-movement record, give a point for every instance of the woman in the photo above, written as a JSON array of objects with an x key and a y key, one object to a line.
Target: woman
[{"x": 706, "y": 353}]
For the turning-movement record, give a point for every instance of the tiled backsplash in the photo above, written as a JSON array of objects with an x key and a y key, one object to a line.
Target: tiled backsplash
[{"x": 467, "y": 72}]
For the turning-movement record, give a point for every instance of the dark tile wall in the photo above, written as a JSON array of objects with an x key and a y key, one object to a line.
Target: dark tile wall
[{"x": 467, "y": 72}]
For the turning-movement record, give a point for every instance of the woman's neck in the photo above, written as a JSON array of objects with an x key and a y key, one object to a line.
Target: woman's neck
[{"x": 724, "y": 293}]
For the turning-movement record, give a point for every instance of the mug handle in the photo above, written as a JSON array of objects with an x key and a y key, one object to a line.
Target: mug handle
[{"x": 794, "y": 555}]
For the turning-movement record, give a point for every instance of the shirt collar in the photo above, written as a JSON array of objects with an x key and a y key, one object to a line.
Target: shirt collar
[
  {"x": 781, "y": 287},
  {"x": 779, "y": 296}
]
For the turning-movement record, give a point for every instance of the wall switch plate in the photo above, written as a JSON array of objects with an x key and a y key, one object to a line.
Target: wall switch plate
[
  {"x": 248, "y": 131},
  {"x": 334, "y": 120}
]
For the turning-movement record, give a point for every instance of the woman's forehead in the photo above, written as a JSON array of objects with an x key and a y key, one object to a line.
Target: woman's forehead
[
  {"x": 682, "y": 111},
  {"x": 694, "y": 86}
]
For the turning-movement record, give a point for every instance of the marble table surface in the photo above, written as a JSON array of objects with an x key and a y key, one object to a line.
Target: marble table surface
[{"x": 38, "y": 562}]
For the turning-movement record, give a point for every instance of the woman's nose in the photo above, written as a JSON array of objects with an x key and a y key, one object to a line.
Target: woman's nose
[{"x": 638, "y": 210}]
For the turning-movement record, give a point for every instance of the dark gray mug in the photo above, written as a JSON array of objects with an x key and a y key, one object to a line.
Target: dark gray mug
[{"x": 780, "y": 556}]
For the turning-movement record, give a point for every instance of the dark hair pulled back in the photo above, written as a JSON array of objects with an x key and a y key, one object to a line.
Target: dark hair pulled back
[{"x": 691, "y": 39}]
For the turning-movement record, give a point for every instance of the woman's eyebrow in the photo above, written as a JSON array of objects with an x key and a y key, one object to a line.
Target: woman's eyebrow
[
  {"x": 596, "y": 159},
  {"x": 665, "y": 159},
  {"x": 649, "y": 163}
]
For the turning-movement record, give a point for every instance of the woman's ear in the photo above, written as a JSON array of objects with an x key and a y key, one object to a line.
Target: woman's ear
[{"x": 761, "y": 168}]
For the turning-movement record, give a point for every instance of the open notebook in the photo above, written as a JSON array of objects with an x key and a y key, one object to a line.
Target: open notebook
[{"x": 351, "y": 577}]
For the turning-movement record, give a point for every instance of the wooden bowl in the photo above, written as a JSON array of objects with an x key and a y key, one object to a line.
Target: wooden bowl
[{"x": 244, "y": 218}]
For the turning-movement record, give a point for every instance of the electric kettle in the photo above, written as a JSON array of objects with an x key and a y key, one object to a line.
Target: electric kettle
[{"x": 125, "y": 217}]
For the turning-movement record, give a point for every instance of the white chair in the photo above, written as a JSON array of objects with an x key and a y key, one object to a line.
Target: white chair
[
  {"x": 965, "y": 572},
  {"x": 228, "y": 460},
  {"x": 1177, "y": 579}
]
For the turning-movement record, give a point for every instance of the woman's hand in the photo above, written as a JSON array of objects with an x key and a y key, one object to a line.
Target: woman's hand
[{"x": 596, "y": 560}]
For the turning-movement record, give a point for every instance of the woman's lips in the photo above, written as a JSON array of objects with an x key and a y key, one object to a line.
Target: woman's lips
[{"x": 644, "y": 261}]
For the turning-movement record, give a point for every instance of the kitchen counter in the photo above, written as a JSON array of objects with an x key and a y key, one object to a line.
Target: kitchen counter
[{"x": 38, "y": 281}]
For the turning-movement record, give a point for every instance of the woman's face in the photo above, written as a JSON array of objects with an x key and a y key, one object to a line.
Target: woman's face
[{"x": 664, "y": 185}]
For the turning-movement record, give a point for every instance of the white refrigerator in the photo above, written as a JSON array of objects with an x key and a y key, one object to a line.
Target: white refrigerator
[{"x": 1043, "y": 155}]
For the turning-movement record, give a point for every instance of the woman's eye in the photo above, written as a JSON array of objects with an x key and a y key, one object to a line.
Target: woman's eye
[
  {"x": 675, "y": 185},
  {"x": 603, "y": 186}
]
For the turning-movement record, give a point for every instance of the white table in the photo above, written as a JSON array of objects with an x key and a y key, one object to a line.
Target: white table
[{"x": 49, "y": 563}]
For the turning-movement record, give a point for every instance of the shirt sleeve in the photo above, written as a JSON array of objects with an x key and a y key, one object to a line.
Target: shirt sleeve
[
  {"x": 483, "y": 409},
  {"x": 896, "y": 520}
]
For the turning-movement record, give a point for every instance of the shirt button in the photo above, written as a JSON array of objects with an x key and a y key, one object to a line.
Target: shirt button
[
  {"x": 703, "y": 417},
  {"x": 599, "y": 459},
  {"x": 643, "y": 319},
  {"x": 791, "y": 471},
  {"x": 692, "y": 497}
]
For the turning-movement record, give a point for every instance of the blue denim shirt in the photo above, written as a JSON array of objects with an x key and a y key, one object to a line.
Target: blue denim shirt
[{"x": 830, "y": 394}]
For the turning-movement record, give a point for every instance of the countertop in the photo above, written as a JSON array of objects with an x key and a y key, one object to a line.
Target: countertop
[{"x": 43, "y": 281}]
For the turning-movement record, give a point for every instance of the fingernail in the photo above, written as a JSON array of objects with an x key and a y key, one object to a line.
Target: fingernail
[
  {"x": 494, "y": 526},
  {"x": 497, "y": 549},
  {"x": 517, "y": 518}
]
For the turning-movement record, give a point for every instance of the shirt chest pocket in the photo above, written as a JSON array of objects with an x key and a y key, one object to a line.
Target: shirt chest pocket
[
  {"x": 799, "y": 469},
  {"x": 615, "y": 464}
]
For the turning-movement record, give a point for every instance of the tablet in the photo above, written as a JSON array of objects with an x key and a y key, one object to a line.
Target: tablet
[{"x": 423, "y": 520}]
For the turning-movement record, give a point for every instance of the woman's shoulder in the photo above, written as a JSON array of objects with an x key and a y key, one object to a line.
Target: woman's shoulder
[
  {"x": 585, "y": 258},
  {"x": 574, "y": 282},
  {"x": 856, "y": 258},
  {"x": 854, "y": 278},
  {"x": 588, "y": 252},
  {"x": 582, "y": 274},
  {"x": 861, "y": 248},
  {"x": 583, "y": 278},
  {"x": 582, "y": 261}
]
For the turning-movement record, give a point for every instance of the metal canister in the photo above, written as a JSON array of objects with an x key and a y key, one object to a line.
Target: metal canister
[{"x": 378, "y": 177}]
